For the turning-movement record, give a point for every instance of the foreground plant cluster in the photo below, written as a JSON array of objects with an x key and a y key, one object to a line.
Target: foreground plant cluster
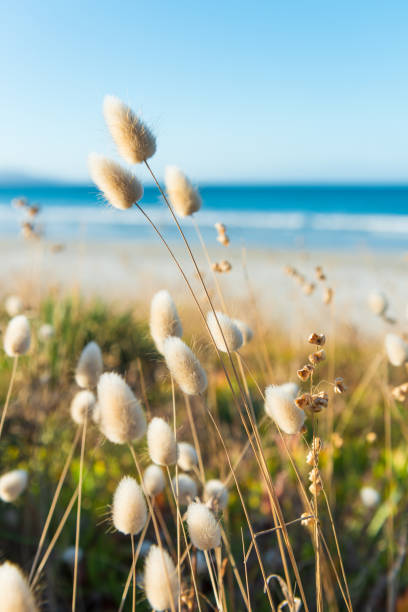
[{"x": 197, "y": 461}]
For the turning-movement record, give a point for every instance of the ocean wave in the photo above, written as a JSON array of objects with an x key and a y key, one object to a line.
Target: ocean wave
[{"x": 69, "y": 216}]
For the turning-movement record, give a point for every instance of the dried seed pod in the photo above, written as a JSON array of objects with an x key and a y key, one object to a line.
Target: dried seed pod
[
  {"x": 305, "y": 372},
  {"x": 304, "y": 401},
  {"x": 320, "y": 274},
  {"x": 319, "y": 401},
  {"x": 339, "y": 386},
  {"x": 317, "y": 357},
  {"x": 317, "y": 339},
  {"x": 315, "y": 488},
  {"x": 308, "y": 288},
  {"x": 328, "y": 295}
]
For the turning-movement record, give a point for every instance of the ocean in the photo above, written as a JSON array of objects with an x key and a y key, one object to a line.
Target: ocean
[{"x": 307, "y": 217}]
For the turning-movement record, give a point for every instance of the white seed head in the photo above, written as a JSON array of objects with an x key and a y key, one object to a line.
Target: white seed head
[
  {"x": 290, "y": 388},
  {"x": 187, "y": 456},
  {"x": 134, "y": 140},
  {"x": 153, "y": 480},
  {"x": 13, "y": 305},
  {"x": 90, "y": 366},
  {"x": 82, "y": 406},
  {"x": 246, "y": 332},
  {"x": 370, "y": 497},
  {"x": 129, "y": 511},
  {"x": 121, "y": 418},
  {"x": 280, "y": 406},
  {"x": 12, "y": 484},
  {"x": 46, "y": 331},
  {"x": 15, "y": 593},
  {"x": 160, "y": 580},
  {"x": 184, "y": 366},
  {"x": 377, "y": 302},
  {"x": 164, "y": 319},
  {"x": 396, "y": 349},
  {"x": 119, "y": 186},
  {"x": 232, "y": 335},
  {"x": 184, "y": 198},
  {"x": 216, "y": 494},
  {"x": 203, "y": 528},
  {"x": 187, "y": 489},
  {"x": 161, "y": 442},
  {"x": 17, "y": 336}
]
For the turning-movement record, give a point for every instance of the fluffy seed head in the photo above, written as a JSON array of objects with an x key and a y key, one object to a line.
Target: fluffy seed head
[
  {"x": 280, "y": 406},
  {"x": 187, "y": 489},
  {"x": 187, "y": 456},
  {"x": 203, "y": 528},
  {"x": 232, "y": 335},
  {"x": 184, "y": 198},
  {"x": 184, "y": 366},
  {"x": 82, "y": 406},
  {"x": 160, "y": 579},
  {"x": 133, "y": 138},
  {"x": 13, "y": 305},
  {"x": 153, "y": 480},
  {"x": 246, "y": 332},
  {"x": 161, "y": 442},
  {"x": 90, "y": 366},
  {"x": 377, "y": 302},
  {"x": 119, "y": 186},
  {"x": 16, "y": 595},
  {"x": 164, "y": 319},
  {"x": 129, "y": 511},
  {"x": 370, "y": 497},
  {"x": 12, "y": 484},
  {"x": 396, "y": 348},
  {"x": 46, "y": 331},
  {"x": 17, "y": 337},
  {"x": 216, "y": 494},
  {"x": 121, "y": 418}
]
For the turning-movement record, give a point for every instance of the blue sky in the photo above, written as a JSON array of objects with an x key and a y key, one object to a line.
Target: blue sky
[{"x": 271, "y": 91}]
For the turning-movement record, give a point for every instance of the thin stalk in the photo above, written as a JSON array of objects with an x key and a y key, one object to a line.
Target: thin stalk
[
  {"x": 133, "y": 566},
  {"x": 155, "y": 525},
  {"x": 212, "y": 579},
  {"x": 195, "y": 437},
  {"x": 9, "y": 391},
  {"x": 266, "y": 475},
  {"x": 134, "y": 573},
  {"x": 54, "y": 503},
  {"x": 78, "y": 520},
  {"x": 173, "y": 397},
  {"x": 185, "y": 538}
]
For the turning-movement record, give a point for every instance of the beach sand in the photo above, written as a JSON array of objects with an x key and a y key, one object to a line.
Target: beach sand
[{"x": 129, "y": 273}]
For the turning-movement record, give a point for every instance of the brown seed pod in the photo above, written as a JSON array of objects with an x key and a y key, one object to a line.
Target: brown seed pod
[
  {"x": 339, "y": 386},
  {"x": 308, "y": 288},
  {"x": 317, "y": 357},
  {"x": 328, "y": 295},
  {"x": 305, "y": 372},
  {"x": 304, "y": 401},
  {"x": 317, "y": 339}
]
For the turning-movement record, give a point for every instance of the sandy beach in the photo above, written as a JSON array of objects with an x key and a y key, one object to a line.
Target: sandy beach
[{"x": 132, "y": 272}]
